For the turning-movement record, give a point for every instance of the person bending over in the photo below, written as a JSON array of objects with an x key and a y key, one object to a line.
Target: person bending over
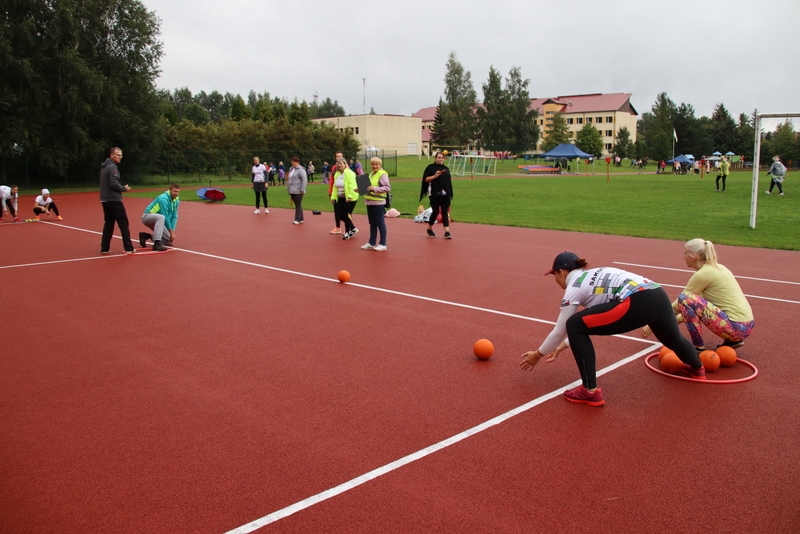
[{"x": 161, "y": 216}]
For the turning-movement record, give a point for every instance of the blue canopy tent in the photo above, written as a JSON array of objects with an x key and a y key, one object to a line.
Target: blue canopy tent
[
  {"x": 682, "y": 159},
  {"x": 566, "y": 150}
]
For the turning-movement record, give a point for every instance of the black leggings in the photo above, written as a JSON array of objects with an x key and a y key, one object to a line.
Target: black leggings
[
  {"x": 39, "y": 210},
  {"x": 650, "y": 307},
  {"x": 440, "y": 203},
  {"x": 773, "y": 183},
  {"x": 344, "y": 211},
  {"x": 723, "y": 181},
  {"x": 258, "y": 199}
]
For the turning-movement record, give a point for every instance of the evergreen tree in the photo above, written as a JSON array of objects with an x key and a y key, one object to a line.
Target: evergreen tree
[
  {"x": 493, "y": 114},
  {"x": 239, "y": 110},
  {"x": 460, "y": 100},
  {"x": 722, "y": 129},
  {"x": 440, "y": 136},
  {"x": 623, "y": 146},
  {"x": 522, "y": 125},
  {"x": 557, "y": 133},
  {"x": 589, "y": 140}
]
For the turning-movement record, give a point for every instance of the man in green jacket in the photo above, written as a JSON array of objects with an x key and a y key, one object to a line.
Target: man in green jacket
[{"x": 161, "y": 216}]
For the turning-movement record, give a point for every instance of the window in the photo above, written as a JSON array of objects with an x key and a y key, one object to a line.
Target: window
[
  {"x": 609, "y": 133},
  {"x": 608, "y": 147},
  {"x": 356, "y": 130},
  {"x": 588, "y": 120},
  {"x": 549, "y": 112},
  {"x": 580, "y": 120},
  {"x": 598, "y": 120},
  {"x": 570, "y": 121},
  {"x": 609, "y": 119},
  {"x": 541, "y": 122}
]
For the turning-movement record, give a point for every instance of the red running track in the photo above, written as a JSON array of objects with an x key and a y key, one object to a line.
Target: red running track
[{"x": 206, "y": 388}]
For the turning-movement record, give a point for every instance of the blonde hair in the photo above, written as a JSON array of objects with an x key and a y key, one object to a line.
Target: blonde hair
[
  {"x": 704, "y": 250},
  {"x": 377, "y": 160}
]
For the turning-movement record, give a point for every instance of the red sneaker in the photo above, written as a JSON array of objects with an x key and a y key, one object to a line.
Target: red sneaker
[
  {"x": 697, "y": 374},
  {"x": 582, "y": 395}
]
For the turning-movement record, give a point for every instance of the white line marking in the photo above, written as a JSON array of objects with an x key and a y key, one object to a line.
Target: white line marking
[
  {"x": 103, "y": 257},
  {"x": 375, "y": 473},
  {"x": 692, "y": 271},
  {"x": 746, "y": 295}
]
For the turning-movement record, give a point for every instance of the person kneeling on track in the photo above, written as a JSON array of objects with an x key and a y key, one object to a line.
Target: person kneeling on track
[
  {"x": 614, "y": 301},
  {"x": 161, "y": 216}
]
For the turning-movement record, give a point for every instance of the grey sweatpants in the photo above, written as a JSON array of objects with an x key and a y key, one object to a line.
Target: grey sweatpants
[{"x": 155, "y": 221}]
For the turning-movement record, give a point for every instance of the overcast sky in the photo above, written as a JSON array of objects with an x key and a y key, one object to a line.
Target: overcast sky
[{"x": 741, "y": 53}]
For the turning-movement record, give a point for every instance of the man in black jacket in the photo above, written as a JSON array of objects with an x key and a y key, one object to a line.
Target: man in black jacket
[{"x": 111, "y": 190}]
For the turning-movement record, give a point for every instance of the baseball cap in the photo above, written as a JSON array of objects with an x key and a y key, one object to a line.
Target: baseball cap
[
  {"x": 45, "y": 192},
  {"x": 565, "y": 260}
]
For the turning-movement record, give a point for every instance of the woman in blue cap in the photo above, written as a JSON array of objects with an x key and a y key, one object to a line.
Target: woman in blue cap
[{"x": 614, "y": 302}]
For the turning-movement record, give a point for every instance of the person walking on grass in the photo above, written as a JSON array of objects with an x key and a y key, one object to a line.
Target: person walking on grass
[
  {"x": 778, "y": 172},
  {"x": 724, "y": 171},
  {"x": 258, "y": 176},
  {"x": 438, "y": 186},
  {"x": 161, "y": 216},
  {"x": 375, "y": 200},
  {"x": 111, "y": 190},
  {"x": 614, "y": 301}
]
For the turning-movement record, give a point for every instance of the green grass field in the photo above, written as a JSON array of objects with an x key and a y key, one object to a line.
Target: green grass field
[{"x": 644, "y": 205}]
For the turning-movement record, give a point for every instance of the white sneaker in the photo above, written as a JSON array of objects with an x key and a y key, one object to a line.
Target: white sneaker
[
  {"x": 256, "y": 212},
  {"x": 380, "y": 248},
  {"x": 295, "y": 222},
  {"x": 780, "y": 194},
  {"x": 266, "y": 210},
  {"x": 367, "y": 247},
  {"x": 766, "y": 192}
]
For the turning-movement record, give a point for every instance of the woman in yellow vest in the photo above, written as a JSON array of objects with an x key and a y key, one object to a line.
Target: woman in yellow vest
[
  {"x": 344, "y": 195},
  {"x": 375, "y": 200}
]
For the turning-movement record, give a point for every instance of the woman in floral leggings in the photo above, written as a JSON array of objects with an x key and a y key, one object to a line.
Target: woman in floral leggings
[{"x": 713, "y": 298}]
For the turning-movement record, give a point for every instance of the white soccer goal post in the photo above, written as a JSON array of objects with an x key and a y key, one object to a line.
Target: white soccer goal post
[
  {"x": 480, "y": 165},
  {"x": 757, "y": 158}
]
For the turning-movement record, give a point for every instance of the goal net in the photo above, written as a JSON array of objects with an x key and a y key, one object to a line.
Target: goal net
[
  {"x": 464, "y": 164},
  {"x": 757, "y": 158}
]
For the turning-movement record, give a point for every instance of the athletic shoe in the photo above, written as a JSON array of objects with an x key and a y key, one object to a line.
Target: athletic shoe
[
  {"x": 256, "y": 212},
  {"x": 143, "y": 237},
  {"x": 447, "y": 235},
  {"x": 266, "y": 210},
  {"x": 130, "y": 252},
  {"x": 430, "y": 233},
  {"x": 335, "y": 231},
  {"x": 60, "y": 218},
  {"x": 104, "y": 252},
  {"x": 295, "y": 222},
  {"x": 353, "y": 232},
  {"x": 767, "y": 193},
  {"x": 380, "y": 248},
  {"x": 347, "y": 235},
  {"x": 731, "y": 344},
  {"x": 17, "y": 219},
  {"x": 697, "y": 374},
  {"x": 158, "y": 247},
  {"x": 583, "y": 396},
  {"x": 368, "y": 246},
  {"x": 780, "y": 194}
]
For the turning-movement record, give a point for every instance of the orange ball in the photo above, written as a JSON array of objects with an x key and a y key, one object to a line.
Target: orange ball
[
  {"x": 344, "y": 277},
  {"x": 483, "y": 349},
  {"x": 710, "y": 360},
  {"x": 727, "y": 356},
  {"x": 662, "y": 352},
  {"x": 670, "y": 363}
]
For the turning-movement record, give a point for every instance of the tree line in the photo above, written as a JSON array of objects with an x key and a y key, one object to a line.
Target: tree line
[
  {"x": 79, "y": 77},
  {"x": 505, "y": 121}
]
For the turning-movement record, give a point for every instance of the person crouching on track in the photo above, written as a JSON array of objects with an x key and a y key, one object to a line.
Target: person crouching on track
[
  {"x": 161, "y": 216},
  {"x": 614, "y": 301},
  {"x": 44, "y": 204}
]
